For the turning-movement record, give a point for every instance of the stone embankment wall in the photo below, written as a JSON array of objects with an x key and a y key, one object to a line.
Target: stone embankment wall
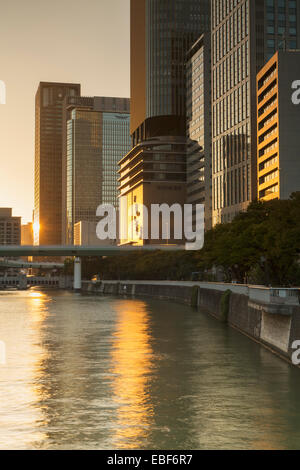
[{"x": 268, "y": 320}]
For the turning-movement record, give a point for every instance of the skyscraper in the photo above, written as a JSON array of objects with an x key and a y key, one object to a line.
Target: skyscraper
[
  {"x": 161, "y": 34},
  {"x": 245, "y": 34},
  {"x": 96, "y": 135},
  {"x": 48, "y": 161}
]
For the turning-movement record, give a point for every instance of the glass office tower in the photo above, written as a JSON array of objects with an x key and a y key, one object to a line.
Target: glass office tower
[
  {"x": 172, "y": 27},
  {"x": 116, "y": 143},
  {"x": 282, "y": 26},
  {"x": 96, "y": 137},
  {"x": 162, "y": 31},
  {"x": 244, "y": 35},
  {"x": 83, "y": 182}
]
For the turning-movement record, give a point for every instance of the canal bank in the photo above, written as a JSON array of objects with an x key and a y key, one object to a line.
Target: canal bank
[{"x": 268, "y": 316}]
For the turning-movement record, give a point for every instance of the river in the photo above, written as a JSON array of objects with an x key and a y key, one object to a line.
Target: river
[{"x": 92, "y": 372}]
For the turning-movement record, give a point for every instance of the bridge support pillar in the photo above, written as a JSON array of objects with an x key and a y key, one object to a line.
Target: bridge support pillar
[{"x": 77, "y": 274}]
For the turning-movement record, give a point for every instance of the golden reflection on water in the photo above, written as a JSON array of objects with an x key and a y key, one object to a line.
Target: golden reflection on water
[
  {"x": 38, "y": 308},
  {"x": 36, "y": 295},
  {"x": 132, "y": 356},
  {"x": 37, "y": 302},
  {"x": 22, "y": 323}
]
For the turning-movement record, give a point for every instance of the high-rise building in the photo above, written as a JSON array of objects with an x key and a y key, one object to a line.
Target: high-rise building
[
  {"x": 10, "y": 228},
  {"x": 96, "y": 136},
  {"x": 278, "y": 124},
  {"x": 245, "y": 34},
  {"x": 199, "y": 182},
  {"x": 48, "y": 161},
  {"x": 161, "y": 34}
]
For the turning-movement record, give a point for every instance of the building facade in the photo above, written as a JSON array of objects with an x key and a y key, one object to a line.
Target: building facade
[
  {"x": 10, "y": 228},
  {"x": 96, "y": 136},
  {"x": 48, "y": 161},
  {"x": 199, "y": 184},
  {"x": 278, "y": 124},
  {"x": 153, "y": 172},
  {"x": 245, "y": 34},
  {"x": 162, "y": 32}
]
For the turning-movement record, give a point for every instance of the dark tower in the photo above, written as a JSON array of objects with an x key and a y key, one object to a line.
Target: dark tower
[
  {"x": 154, "y": 171},
  {"x": 162, "y": 31}
]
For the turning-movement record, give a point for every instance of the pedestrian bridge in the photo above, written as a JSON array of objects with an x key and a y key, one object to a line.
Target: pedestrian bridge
[
  {"x": 78, "y": 252},
  {"x": 8, "y": 263}
]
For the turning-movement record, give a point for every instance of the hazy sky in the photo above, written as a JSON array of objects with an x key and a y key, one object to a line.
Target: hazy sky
[{"x": 81, "y": 41}]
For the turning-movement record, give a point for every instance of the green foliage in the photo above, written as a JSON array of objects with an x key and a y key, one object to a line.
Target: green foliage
[
  {"x": 142, "y": 266},
  {"x": 261, "y": 245}
]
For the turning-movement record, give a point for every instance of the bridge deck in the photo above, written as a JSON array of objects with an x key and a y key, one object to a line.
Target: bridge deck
[{"x": 80, "y": 251}]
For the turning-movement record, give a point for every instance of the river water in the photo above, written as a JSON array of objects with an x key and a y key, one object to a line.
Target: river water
[{"x": 91, "y": 372}]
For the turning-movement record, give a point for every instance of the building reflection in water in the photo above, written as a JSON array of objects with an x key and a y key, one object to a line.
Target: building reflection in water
[{"x": 133, "y": 363}]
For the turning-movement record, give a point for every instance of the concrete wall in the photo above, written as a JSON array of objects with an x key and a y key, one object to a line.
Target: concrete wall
[
  {"x": 244, "y": 316},
  {"x": 273, "y": 324},
  {"x": 275, "y": 330}
]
